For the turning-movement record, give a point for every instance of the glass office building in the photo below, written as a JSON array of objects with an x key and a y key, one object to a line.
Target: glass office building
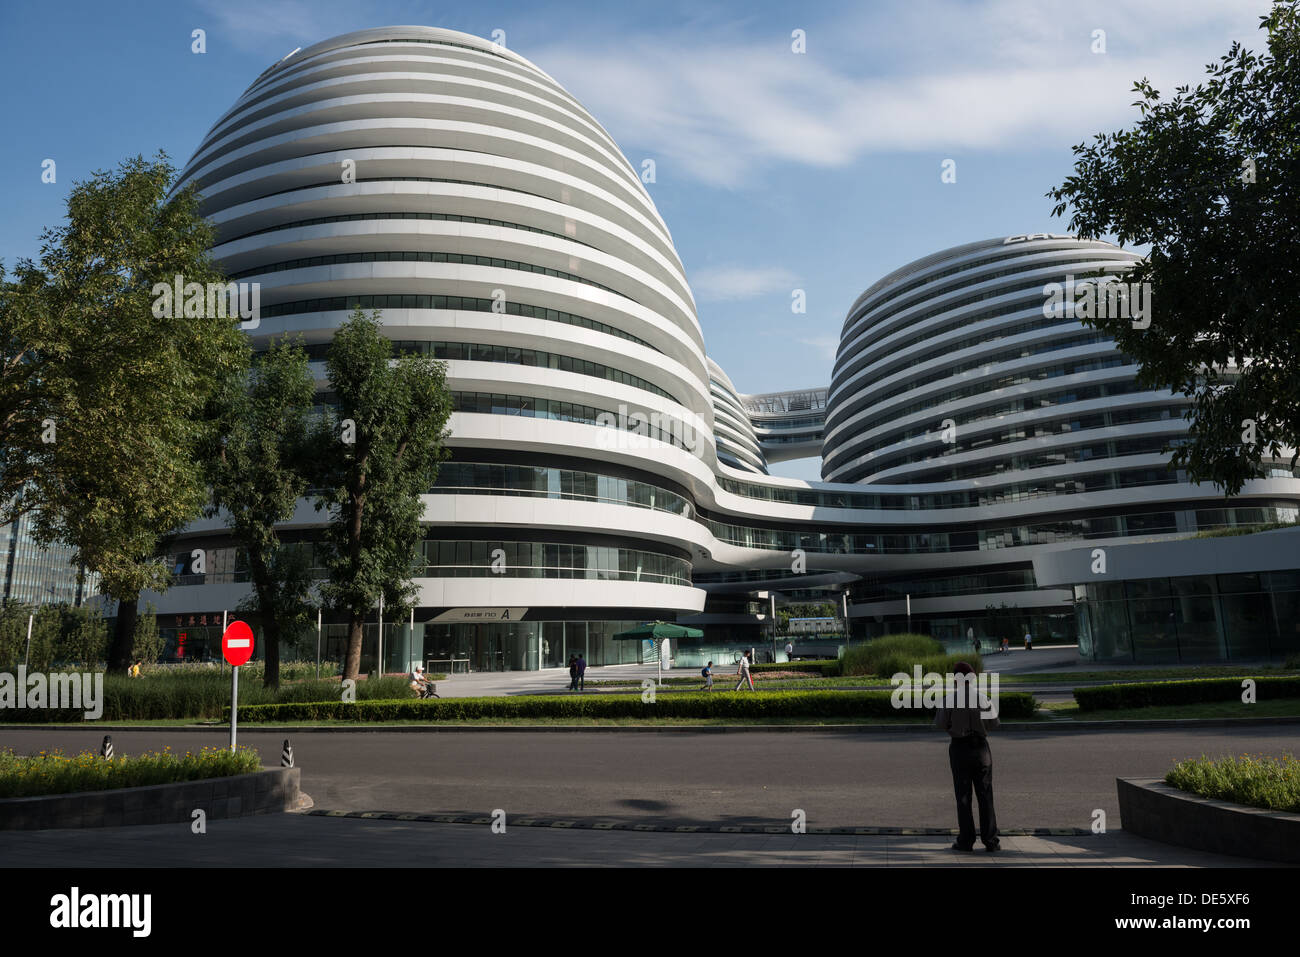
[{"x": 35, "y": 575}]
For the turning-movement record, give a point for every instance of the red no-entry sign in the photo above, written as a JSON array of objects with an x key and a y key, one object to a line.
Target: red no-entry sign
[{"x": 237, "y": 643}]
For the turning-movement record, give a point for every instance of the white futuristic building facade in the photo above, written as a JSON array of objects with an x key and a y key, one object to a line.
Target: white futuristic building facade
[{"x": 457, "y": 188}]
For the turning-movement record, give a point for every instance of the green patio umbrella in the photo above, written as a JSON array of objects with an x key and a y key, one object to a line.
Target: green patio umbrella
[{"x": 657, "y": 631}]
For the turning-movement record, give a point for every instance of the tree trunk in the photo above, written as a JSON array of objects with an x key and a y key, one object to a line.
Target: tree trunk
[
  {"x": 119, "y": 652},
  {"x": 266, "y": 607},
  {"x": 271, "y": 649},
  {"x": 352, "y": 659}
]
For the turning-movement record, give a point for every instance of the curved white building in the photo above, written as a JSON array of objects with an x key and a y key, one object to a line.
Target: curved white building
[
  {"x": 959, "y": 380},
  {"x": 456, "y": 187}
]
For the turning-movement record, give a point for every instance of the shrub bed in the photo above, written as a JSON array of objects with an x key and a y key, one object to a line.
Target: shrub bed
[
  {"x": 758, "y": 704},
  {"x": 1197, "y": 691},
  {"x": 1257, "y": 781},
  {"x": 829, "y": 668},
  {"x": 887, "y": 656},
  {"x": 55, "y": 773}
]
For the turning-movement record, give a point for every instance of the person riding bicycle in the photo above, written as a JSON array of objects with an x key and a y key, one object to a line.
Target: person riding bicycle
[{"x": 419, "y": 682}]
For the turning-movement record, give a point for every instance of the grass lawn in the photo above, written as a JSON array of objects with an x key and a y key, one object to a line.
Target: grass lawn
[
  {"x": 1064, "y": 676},
  {"x": 524, "y": 723},
  {"x": 1069, "y": 675},
  {"x": 1280, "y": 708}
]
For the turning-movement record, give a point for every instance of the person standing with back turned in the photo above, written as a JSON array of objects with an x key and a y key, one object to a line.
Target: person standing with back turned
[{"x": 971, "y": 763}]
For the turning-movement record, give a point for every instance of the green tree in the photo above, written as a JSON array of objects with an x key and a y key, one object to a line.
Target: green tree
[
  {"x": 129, "y": 390},
  {"x": 146, "y": 641},
  {"x": 15, "y": 649},
  {"x": 258, "y": 474},
  {"x": 1210, "y": 180},
  {"x": 83, "y": 636},
  {"x": 27, "y": 345},
  {"x": 380, "y": 452}
]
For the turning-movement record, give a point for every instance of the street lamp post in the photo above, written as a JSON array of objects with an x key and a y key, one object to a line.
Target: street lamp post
[{"x": 844, "y": 607}]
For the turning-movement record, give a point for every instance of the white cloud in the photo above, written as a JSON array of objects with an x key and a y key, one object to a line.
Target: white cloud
[
  {"x": 268, "y": 26},
  {"x": 826, "y": 346},
  {"x": 721, "y": 283},
  {"x": 940, "y": 77}
]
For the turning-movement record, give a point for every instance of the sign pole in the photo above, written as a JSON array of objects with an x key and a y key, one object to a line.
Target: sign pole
[
  {"x": 318, "y": 614},
  {"x": 236, "y": 648},
  {"x": 234, "y": 703},
  {"x": 379, "y": 661},
  {"x": 28, "y": 656}
]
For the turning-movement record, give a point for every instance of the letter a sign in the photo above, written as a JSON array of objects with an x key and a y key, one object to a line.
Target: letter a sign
[{"x": 237, "y": 643}]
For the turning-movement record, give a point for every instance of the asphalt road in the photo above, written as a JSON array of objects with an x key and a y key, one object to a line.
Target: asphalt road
[{"x": 1049, "y": 778}]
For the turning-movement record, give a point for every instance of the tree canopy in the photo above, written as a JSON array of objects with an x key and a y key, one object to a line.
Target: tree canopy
[
  {"x": 1209, "y": 179},
  {"x": 379, "y": 453},
  {"x": 104, "y": 403}
]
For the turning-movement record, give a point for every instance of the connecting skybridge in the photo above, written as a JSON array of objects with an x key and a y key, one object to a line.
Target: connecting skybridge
[{"x": 788, "y": 425}]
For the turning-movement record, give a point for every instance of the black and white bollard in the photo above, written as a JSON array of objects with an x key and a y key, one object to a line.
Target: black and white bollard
[
  {"x": 106, "y": 749},
  {"x": 286, "y": 755}
]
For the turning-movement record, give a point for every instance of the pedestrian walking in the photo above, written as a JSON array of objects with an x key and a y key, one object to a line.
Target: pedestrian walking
[
  {"x": 573, "y": 672},
  {"x": 971, "y": 763},
  {"x": 582, "y": 669},
  {"x": 743, "y": 672},
  {"x": 1029, "y": 641},
  {"x": 789, "y": 651},
  {"x": 1006, "y": 644},
  {"x": 977, "y": 646},
  {"x": 707, "y": 672}
]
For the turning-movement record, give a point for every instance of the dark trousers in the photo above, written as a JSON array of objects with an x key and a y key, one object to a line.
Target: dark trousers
[{"x": 972, "y": 768}]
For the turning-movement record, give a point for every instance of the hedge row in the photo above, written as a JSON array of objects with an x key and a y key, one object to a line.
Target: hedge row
[
  {"x": 162, "y": 694},
  {"x": 758, "y": 704},
  {"x": 1197, "y": 691},
  {"x": 830, "y": 668}
]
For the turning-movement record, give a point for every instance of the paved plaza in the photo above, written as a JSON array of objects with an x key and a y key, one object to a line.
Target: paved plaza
[{"x": 303, "y": 840}]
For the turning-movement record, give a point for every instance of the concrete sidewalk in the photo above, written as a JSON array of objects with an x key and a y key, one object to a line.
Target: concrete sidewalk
[
  {"x": 556, "y": 680},
  {"x": 299, "y": 840},
  {"x": 549, "y": 681}
]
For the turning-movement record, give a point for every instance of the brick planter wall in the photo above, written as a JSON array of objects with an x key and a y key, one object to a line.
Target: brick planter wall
[
  {"x": 1150, "y": 808},
  {"x": 264, "y": 792}
]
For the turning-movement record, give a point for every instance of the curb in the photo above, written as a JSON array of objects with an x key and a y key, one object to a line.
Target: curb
[
  {"x": 598, "y": 824},
  {"x": 1049, "y": 725}
]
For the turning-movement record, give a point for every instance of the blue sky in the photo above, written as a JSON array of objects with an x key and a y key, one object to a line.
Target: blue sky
[{"x": 775, "y": 171}]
